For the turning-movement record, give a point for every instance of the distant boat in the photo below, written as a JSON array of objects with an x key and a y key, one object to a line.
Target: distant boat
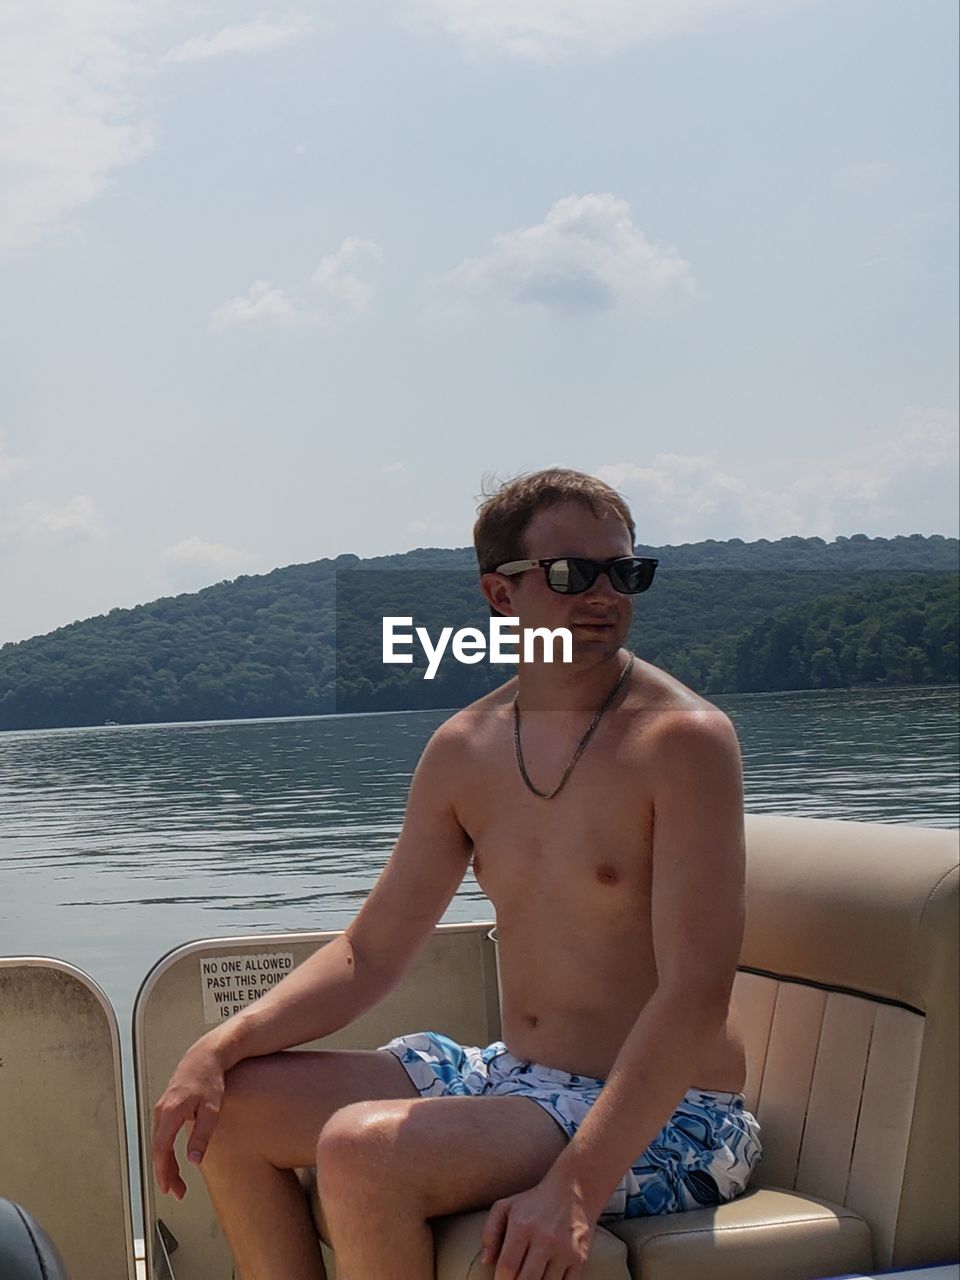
[{"x": 111, "y": 722}]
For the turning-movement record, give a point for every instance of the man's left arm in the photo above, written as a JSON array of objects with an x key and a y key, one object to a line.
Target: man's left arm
[{"x": 697, "y": 907}]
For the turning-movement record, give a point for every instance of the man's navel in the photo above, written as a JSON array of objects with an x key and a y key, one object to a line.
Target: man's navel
[{"x": 607, "y": 874}]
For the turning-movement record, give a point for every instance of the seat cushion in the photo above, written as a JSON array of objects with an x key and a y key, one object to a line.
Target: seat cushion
[
  {"x": 457, "y": 1241},
  {"x": 764, "y": 1232}
]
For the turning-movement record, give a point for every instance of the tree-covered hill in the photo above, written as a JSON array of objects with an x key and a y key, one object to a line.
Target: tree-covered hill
[{"x": 306, "y": 639}]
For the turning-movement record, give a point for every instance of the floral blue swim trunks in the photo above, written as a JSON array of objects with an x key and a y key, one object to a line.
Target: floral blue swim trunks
[{"x": 703, "y": 1156}]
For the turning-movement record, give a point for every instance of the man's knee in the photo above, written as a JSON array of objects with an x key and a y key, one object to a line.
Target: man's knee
[{"x": 356, "y": 1137}]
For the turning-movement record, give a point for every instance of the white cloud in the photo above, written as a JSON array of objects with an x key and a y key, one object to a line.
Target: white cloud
[
  {"x": 587, "y": 255},
  {"x": 68, "y": 116},
  {"x": 76, "y": 519},
  {"x": 262, "y": 304},
  {"x": 902, "y": 480},
  {"x": 337, "y": 284},
  {"x": 195, "y": 562},
  {"x": 682, "y": 498},
  {"x": 195, "y": 550},
  {"x": 248, "y": 37},
  {"x": 393, "y": 469},
  {"x": 550, "y": 30},
  {"x": 334, "y": 293},
  {"x": 868, "y": 175},
  {"x": 428, "y": 526},
  {"x": 924, "y": 438},
  {"x": 9, "y": 463}
]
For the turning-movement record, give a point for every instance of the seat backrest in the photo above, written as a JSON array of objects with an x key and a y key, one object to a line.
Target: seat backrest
[
  {"x": 847, "y": 994},
  {"x": 451, "y": 986},
  {"x": 63, "y": 1149}
]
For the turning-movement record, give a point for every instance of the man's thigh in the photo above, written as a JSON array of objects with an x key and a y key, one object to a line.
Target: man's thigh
[
  {"x": 277, "y": 1104},
  {"x": 447, "y": 1155}
]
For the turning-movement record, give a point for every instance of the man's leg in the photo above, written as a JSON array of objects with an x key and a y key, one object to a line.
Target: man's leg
[
  {"x": 273, "y": 1111},
  {"x": 385, "y": 1168}
]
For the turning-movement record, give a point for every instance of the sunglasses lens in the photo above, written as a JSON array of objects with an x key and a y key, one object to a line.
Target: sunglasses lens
[
  {"x": 571, "y": 576},
  {"x": 631, "y": 575}
]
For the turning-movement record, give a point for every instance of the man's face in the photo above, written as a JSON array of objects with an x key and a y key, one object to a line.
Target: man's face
[{"x": 599, "y": 618}]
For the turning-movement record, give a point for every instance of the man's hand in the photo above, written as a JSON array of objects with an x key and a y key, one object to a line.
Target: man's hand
[
  {"x": 542, "y": 1234},
  {"x": 195, "y": 1093}
]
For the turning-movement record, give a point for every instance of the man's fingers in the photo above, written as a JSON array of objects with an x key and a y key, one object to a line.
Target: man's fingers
[
  {"x": 166, "y": 1126},
  {"x": 512, "y": 1257},
  {"x": 172, "y": 1183},
  {"x": 493, "y": 1232},
  {"x": 167, "y": 1170},
  {"x": 169, "y": 1178},
  {"x": 207, "y": 1116}
]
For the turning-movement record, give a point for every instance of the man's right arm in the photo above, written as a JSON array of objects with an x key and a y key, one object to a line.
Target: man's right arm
[
  {"x": 329, "y": 990},
  {"x": 350, "y": 975},
  {"x": 345, "y": 977}
]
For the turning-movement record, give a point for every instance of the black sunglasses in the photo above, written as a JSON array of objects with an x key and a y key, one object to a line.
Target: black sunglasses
[{"x": 569, "y": 575}]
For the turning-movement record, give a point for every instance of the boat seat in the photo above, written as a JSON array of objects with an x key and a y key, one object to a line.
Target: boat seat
[
  {"x": 456, "y": 1239},
  {"x": 63, "y": 1142},
  {"x": 764, "y": 1232},
  {"x": 847, "y": 999}
]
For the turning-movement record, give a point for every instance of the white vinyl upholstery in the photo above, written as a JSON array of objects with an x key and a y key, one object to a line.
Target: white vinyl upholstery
[{"x": 847, "y": 994}]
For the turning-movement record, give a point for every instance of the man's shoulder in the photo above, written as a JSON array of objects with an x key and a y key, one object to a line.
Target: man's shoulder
[
  {"x": 464, "y": 730},
  {"x": 668, "y": 716},
  {"x": 452, "y": 759}
]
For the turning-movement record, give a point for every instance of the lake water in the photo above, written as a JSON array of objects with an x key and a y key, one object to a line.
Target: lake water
[{"x": 118, "y": 844}]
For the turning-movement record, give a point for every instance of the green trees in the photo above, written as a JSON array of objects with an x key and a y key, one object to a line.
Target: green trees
[
  {"x": 901, "y": 630},
  {"x": 306, "y": 640}
]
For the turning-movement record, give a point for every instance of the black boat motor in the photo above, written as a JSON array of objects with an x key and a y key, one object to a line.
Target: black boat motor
[{"x": 26, "y": 1251}]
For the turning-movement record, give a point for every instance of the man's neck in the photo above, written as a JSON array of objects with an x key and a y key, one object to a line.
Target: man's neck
[{"x": 568, "y": 686}]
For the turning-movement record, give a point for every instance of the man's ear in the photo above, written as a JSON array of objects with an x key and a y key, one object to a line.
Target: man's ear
[{"x": 492, "y": 584}]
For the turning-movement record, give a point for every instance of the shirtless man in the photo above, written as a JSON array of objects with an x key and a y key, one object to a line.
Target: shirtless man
[{"x": 619, "y": 904}]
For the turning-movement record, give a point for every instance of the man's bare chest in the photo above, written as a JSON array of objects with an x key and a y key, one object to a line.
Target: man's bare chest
[{"x": 586, "y": 852}]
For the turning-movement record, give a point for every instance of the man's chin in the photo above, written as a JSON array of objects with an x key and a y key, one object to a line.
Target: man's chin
[
  {"x": 594, "y": 630},
  {"x": 591, "y": 642}
]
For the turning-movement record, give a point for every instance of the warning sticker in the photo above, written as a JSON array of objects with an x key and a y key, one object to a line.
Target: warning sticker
[{"x": 231, "y": 984}]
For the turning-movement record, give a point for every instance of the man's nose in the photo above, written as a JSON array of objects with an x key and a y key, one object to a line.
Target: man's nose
[{"x": 602, "y": 588}]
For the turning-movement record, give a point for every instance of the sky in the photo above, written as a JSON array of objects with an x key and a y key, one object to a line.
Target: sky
[{"x": 279, "y": 282}]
